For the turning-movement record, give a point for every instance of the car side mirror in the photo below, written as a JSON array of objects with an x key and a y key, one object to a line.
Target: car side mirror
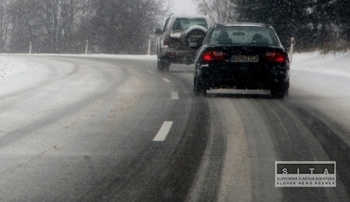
[{"x": 158, "y": 31}]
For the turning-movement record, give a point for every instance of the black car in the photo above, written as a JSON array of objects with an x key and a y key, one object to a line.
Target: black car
[{"x": 242, "y": 56}]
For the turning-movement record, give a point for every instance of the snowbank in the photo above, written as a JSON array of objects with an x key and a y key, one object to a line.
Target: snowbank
[
  {"x": 131, "y": 57},
  {"x": 10, "y": 67},
  {"x": 331, "y": 63}
]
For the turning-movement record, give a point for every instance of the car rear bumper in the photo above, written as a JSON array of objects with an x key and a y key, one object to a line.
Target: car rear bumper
[
  {"x": 179, "y": 56},
  {"x": 243, "y": 76}
]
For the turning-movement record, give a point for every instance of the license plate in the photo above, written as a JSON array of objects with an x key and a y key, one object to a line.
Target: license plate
[{"x": 245, "y": 58}]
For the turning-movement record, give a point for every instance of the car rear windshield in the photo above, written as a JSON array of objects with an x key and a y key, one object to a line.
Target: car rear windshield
[
  {"x": 244, "y": 35},
  {"x": 182, "y": 24}
]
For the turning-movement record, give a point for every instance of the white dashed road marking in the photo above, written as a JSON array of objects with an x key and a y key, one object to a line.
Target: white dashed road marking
[
  {"x": 150, "y": 72},
  {"x": 174, "y": 96},
  {"x": 166, "y": 80},
  {"x": 163, "y": 131}
]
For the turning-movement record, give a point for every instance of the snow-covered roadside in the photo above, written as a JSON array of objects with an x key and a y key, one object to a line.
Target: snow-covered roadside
[
  {"x": 331, "y": 63},
  {"x": 10, "y": 67},
  {"x": 132, "y": 57},
  {"x": 19, "y": 72}
]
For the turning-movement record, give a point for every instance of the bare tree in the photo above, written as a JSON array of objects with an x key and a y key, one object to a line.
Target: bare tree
[
  {"x": 22, "y": 15},
  {"x": 222, "y": 10},
  {"x": 57, "y": 26},
  {"x": 123, "y": 26},
  {"x": 4, "y": 24},
  {"x": 59, "y": 18}
]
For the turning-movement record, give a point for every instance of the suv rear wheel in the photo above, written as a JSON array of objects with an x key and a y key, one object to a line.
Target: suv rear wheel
[{"x": 163, "y": 64}]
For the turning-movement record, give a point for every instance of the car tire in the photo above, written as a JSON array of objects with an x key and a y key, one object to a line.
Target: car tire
[
  {"x": 198, "y": 87},
  {"x": 280, "y": 91},
  {"x": 166, "y": 67},
  {"x": 163, "y": 64},
  {"x": 160, "y": 67},
  {"x": 193, "y": 31}
]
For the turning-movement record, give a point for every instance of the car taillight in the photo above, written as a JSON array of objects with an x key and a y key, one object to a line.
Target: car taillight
[
  {"x": 280, "y": 58},
  {"x": 276, "y": 57},
  {"x": 208, "y": 57},
  {"x": 166, "y": 42},
  {"x": 211, "y": 56}
]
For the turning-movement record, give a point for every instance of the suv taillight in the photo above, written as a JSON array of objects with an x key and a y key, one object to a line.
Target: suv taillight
[{"x": 210, "y": 56}]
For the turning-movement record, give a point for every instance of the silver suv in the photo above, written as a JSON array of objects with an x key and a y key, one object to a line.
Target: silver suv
[{"x": 176, "y": 37}]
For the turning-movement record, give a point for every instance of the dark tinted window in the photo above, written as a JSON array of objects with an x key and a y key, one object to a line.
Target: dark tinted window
[{"x": 246, "y": 35}]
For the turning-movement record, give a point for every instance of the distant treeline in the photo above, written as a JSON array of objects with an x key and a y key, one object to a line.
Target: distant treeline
[
  {"x": 316, "y": 24},
  {"x": 124, "y": 26},
  {"x": 63, "y": 26}
]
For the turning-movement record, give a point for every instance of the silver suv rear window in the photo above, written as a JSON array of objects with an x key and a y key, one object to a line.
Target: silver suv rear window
[{"x": 181, "y": 24}]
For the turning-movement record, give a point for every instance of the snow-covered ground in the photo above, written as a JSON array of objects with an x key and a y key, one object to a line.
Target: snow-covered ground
[
  {"x": 331, "y": 63},
  {"x": 10, "y": 67}
]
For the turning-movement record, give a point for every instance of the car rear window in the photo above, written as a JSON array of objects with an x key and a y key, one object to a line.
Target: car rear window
[
  {"x": 245, "y": 35},
  {"x": 181, "y": 24}
]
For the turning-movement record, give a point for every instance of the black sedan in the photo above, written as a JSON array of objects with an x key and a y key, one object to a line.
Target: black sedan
[{"x": 242, "y": 56}]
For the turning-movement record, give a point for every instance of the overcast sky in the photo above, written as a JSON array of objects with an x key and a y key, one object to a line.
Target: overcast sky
[{"x": 182, "y": 6}]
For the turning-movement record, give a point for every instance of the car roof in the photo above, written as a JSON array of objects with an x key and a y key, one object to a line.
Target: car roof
[
  {"x": 243, "y": 24},
  {"x": 189, "y": 16}
]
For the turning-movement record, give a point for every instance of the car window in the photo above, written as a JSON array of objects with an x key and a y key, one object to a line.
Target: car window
[
  {"x": 166, "y": 24},
  {"x": 181, "y": 24},
  {"x": 244, "y": 35}
]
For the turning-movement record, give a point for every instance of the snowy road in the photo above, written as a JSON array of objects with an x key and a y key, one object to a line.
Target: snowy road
[{"x": 112, "y": 129}]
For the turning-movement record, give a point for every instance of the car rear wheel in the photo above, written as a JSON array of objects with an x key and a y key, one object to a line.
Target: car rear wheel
[
  {"x": 166, "y": 66},
  {"x": 198, "y": 87},
  {"x": 280, "y": 91},
  {"x": 159, "y": 65},
  {"x": 163, "y": 64}
]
